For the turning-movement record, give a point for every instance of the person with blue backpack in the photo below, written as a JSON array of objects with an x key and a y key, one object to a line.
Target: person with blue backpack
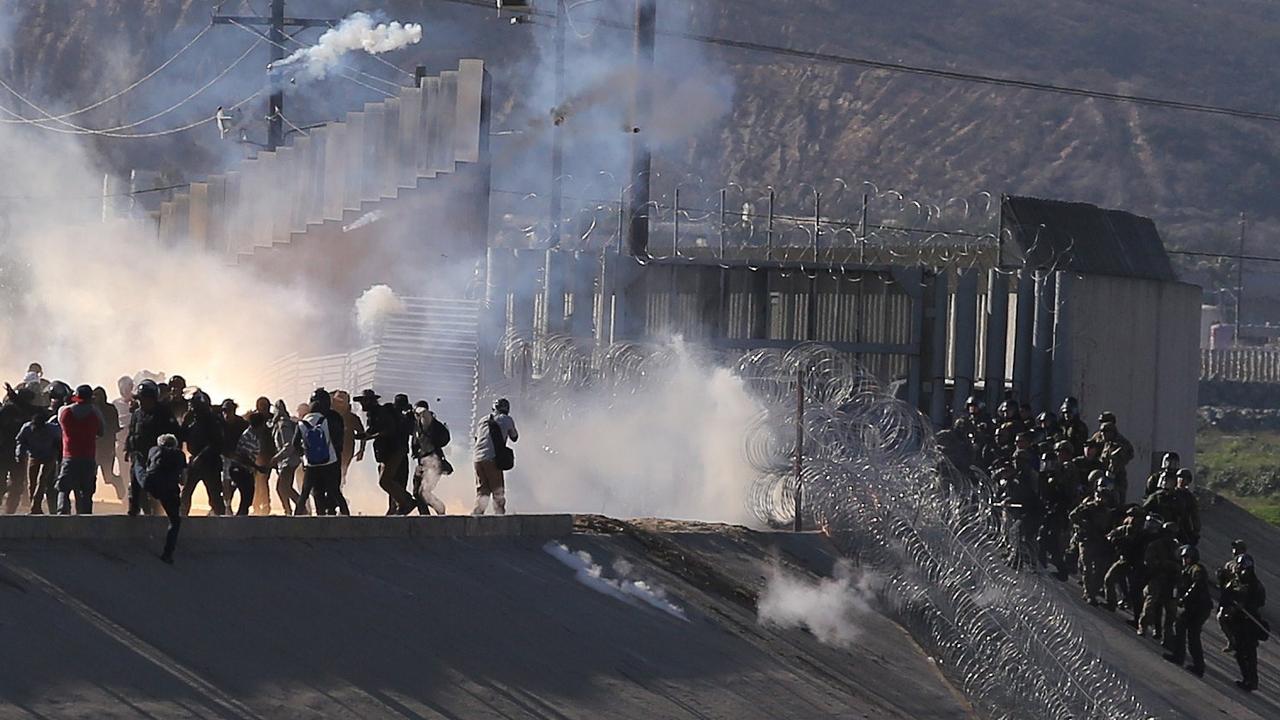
[{"x": 318, "y": 441}]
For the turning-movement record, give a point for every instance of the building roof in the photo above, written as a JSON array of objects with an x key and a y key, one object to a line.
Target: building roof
[{"x": 1085, "y": 238}]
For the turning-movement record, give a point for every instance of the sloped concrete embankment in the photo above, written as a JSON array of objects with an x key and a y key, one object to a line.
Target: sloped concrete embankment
[{"x": 434, "y": 618}]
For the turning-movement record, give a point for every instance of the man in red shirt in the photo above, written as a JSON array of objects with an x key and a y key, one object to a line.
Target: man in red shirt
[{"x": 82, "y": 425}]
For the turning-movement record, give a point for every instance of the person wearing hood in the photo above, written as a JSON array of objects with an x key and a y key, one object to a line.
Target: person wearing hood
[
  {"x": 81, "y": 425},
  {"x": 16, "y": 411},
  {"x": 286, "y": 460},
  {"x": 39, "y": 443},
  {"x": 106, "y": 445}
]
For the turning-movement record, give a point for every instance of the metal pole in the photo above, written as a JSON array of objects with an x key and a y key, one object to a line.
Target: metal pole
[
  {"x": 1000, "y": 235},
  {"x": 722, "y": 222},
  {"x": 799, "y": 499},
  {"x": 275, "y": 114},
  {"x": 862, "y": 241},
  {"x": 675, "y": 231},
  {"x": 817, "y": 222},
  {"x": 557, "y": 135},
  {"x": 1240, "y": 282},
  {"x": 768, "y": 253},
  {"x": 641, "y": 154}
]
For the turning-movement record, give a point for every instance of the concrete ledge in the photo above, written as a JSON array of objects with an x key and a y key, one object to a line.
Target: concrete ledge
[{"x": 122, "y": 527}]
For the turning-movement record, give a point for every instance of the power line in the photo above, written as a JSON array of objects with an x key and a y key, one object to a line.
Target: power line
[
  {"x": 903, "y": 68},
  {"x": 127, "y": 89},
  {"x": 73, "y": 129}
]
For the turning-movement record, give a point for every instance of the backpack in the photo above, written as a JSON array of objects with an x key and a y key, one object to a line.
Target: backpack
[
  {"x": 315, "y": 443},
  {"x": 438, "y": 434},
  {"x": 503, "y": 456}
]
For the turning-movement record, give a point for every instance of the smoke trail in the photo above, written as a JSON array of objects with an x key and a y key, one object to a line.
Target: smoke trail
[{"x": 355, "y": 32}]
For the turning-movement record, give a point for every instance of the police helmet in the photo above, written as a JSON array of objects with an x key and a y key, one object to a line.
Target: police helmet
[
  {"x": 1186, "y": 475},
  {"x": 1190, "y": 551},
  {"x": 1239, "y": 547},
  {"x": 147, "y": 388},
  {"x": 1070, "y": 406},
  {"x": 1007, "y": 410},
  {"x": 60, "y": 390},
  {"x": 1152, "y": 524},
  {"x": 1165, "y": 482},
  {"x": 1107, "y": 417},
  {"x": 974, "y": 400},
  {"x": 502, "y": 405},
  {"x": 1170, "y": 461},
  {"x": 201, "y": 398}
]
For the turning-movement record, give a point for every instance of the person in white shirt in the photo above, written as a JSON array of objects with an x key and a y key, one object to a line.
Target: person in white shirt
[{"x": 493, "y": 457}]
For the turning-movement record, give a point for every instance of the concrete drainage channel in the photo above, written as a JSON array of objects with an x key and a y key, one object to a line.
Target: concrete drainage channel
[{"x": 120, "y": 527}]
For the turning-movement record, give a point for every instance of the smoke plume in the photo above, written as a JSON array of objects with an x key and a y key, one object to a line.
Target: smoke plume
[
  {"x": 356, "y": 32},
  {"x": 828, "y": 608},
  {"x": 374, "y": 307}
]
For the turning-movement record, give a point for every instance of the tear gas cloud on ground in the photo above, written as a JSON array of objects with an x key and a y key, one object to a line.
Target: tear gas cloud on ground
[
  {"x": 621, "y": 586},
  {"x": 829, "y": 608},
  {"x": 673, "y": 448}
]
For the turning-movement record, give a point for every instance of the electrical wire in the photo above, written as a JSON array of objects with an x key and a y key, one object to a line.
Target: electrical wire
[
  {"x": 127, "y": 89},
  {"x": 158, "y": 133},
  {"x": 73, "y": 129},
  {"x": 903, "y": 68}
]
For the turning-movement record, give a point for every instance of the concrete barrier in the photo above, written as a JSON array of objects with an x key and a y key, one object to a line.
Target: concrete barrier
[{"x": 122, "y": 527}]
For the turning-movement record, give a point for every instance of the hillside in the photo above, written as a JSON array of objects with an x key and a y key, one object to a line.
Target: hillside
[{"x": 789, "y": 121}]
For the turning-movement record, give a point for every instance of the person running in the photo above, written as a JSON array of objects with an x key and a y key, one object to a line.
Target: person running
[
  {"x": 202, "y": 432},
  {"x": 430, "y": 436},
  {"x": 319, "y": 444},
  {"x": 148, "y": 422},
  {"x": 39, "y": 443},
  {"x": 286, "y": 460},
  {"x": 81, "y": 426},
  {"x": 106, "y": 444},
  {"x": 16, "y": 411},
  {"x": 243, "y": 461},
  {"x": 165, "y": 463},
  {"x": 390, "y": 435},
  {"x": 493, "y": 458},
  {"x": 353, "y": 432}
]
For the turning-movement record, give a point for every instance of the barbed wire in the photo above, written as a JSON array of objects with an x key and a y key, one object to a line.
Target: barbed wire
[{"x": 872, "y": 480}]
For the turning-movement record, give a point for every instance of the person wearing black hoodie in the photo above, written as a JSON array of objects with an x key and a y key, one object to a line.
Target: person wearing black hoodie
[
  {"x": 165, "y": 463},
  {"x": 147, "y": 423},
  {"x": 16, "y": 411}
]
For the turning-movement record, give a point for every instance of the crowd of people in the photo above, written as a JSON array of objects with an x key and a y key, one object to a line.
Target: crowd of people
[
  {"x": 160, "y": 440},
  {"x": 1063, "y": 500}
]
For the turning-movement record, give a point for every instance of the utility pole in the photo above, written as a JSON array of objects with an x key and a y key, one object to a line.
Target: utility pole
[
  {"x": 1240, "y": 281},
  {"x": 641, "y": 153},
  {"x": 276, "y": 24},
  {"x": 557, "y": 132}
]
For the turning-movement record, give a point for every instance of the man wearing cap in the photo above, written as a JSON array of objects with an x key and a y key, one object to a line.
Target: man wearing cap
[
  {"x": 491, "y": 454},
  {"x": 82, "y": 424},
  {"x": 148, "y": 422},
  {"x": 233, "y": 426}
]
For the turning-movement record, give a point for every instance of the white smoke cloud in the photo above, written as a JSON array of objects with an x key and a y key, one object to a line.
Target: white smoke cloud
[
  {"x": 373, "y": 308},
  {"x": 357, "y": 31},
  {"x": 829, "y": 608},
  {"x": 587, "y": 572},
  {"x": 673, "y": 450}
]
